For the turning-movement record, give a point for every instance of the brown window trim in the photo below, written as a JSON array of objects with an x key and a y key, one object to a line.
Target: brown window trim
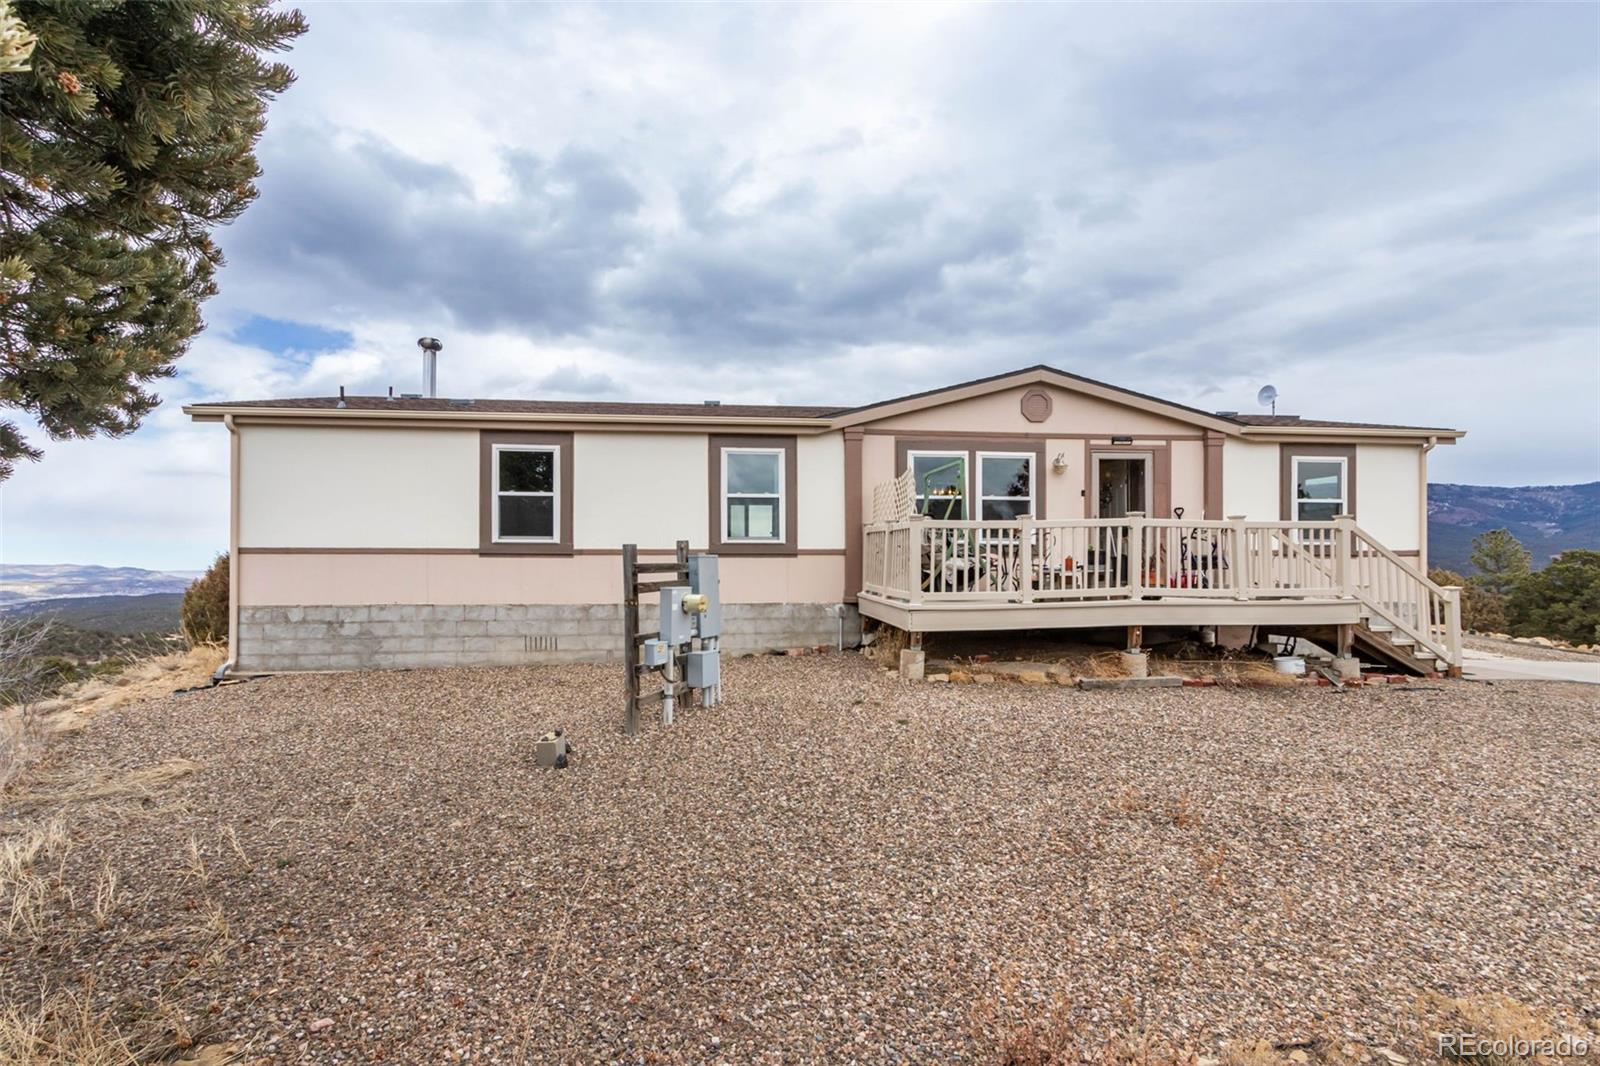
[
  {"x": 487, "y": 545},
  {"x": 1288, "y": 453},
  {"x": 903, "y": 446},
  {"x": 791, "y": 492}
]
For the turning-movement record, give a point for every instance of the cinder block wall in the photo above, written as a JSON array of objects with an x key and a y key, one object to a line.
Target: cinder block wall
[{"x": 397, "y": 636}]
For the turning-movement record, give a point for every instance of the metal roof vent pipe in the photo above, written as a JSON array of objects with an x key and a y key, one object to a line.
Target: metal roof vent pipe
[{"x": 430, "y": 365}]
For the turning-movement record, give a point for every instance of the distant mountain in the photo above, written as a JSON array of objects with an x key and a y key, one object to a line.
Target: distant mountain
[
  {"x": 156, "y": 612},
  {"x": 23, "y": 584},
  {"x": 1547, "y": 519}
]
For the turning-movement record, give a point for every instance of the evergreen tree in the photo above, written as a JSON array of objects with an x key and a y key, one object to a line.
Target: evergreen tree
[
  {"x": 1562, "y": 600},
  {"x": 1500, "y": 561},
  {"x": 131, "y": 134}
]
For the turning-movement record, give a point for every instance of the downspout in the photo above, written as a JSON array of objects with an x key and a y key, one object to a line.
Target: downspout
[
  {"x": 1422, "y": 527},
  {"x": 233, "y": 550}
]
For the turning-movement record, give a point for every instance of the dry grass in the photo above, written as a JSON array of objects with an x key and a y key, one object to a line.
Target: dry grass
[
  {"x": 67, "y": 1029},
  {"x": 99, "y": 784},
  {"x": 151, "y": 678},
  {"x": 1500, "y": 1024}
]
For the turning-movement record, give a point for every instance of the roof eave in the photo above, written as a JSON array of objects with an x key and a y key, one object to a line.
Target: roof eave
[
  {"x": 1420, "y": 433},
  {"x": 1032, "y": 376},
  {"x": 214, "y": 413}
]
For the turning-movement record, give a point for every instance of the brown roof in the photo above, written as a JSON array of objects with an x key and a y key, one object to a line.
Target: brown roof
[
  {"x": 543, "y": 407},
  {"x": 734, "y": 411},
  {"x": 1315, "y": 423}
]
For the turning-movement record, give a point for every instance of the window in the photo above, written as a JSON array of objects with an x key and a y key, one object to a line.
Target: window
[
  {"x": 940, "y": 484},
  {"x": 527, "y": 501},
  {"x": 1005, "y": 486},
  {"x": 752, "y": 493},
  {"x": 1319, "y": 488}
]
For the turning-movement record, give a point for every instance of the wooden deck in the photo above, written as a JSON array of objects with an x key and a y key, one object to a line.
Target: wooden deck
[{"x": 923, "y": 575}]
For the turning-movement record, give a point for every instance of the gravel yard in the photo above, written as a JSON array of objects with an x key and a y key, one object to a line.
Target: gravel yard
[{"x": 832, "y": 865}]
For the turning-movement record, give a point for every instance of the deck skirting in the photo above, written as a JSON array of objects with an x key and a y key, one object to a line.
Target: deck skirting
[{"x": 948, "y": 616}]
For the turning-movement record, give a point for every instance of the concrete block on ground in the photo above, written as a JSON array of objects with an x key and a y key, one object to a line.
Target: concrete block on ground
[
  {"x": 1129, "y": 682},
  {"x": 1347, "y": 668},
  {"x": 913, "y": 663},
  {"x": 1136, "y": 664}
]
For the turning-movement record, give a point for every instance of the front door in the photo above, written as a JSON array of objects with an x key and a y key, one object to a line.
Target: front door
[{"x": 1121, "y": 484}]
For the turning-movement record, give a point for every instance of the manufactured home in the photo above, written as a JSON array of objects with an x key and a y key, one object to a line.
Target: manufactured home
[{"x": 372, "y": 532}]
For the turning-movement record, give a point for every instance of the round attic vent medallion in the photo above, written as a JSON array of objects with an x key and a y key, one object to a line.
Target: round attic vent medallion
[{"x": 1036, "y": 405}]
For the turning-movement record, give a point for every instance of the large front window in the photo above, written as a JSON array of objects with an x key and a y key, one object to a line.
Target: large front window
[
  {"x": 940, "y": 484},
  {"x": 1005, "y": 486},
  {"x": 526, "y": 493},
  {"x": 752, "y": 493},
  {"x": 1319, "y": 488}
]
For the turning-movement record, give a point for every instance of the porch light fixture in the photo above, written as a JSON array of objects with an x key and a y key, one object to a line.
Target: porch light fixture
[{"x": 1059, "y": 463}]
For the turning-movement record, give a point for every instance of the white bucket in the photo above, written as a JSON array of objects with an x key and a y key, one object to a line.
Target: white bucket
[{"x": 1289, "y": 664}]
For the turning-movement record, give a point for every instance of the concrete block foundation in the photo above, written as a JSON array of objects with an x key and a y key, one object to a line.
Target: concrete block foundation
[{"x": 400, "y": 636}]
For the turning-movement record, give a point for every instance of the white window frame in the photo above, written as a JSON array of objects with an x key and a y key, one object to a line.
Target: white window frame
[
  {"x": 782, "y": 494},
  {"x": 966, "y": 478},
  {"x": 1294, "y": 485},
  {"x": 1149, "y": 461},
  {"x": 1033, "y": 485},
  {"x": 554, "y": 493}
]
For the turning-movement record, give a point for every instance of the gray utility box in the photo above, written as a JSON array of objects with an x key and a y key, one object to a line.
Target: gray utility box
[
  {"x": 654, "y": 653},
  {"x": 703, "y": 581},
  {"x": 677, "y": 626},
  {"x": 703, "y": 669}
]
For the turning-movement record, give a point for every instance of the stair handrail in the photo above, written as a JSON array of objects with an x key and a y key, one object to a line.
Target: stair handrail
[{"x": 1450, "y": 597}]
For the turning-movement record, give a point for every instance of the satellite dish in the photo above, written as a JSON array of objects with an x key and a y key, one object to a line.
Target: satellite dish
[{"x": 1268, "y": 397}]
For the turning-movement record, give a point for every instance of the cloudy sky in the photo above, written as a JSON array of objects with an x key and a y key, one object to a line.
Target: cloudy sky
[{"x": 1391, "y": 212}]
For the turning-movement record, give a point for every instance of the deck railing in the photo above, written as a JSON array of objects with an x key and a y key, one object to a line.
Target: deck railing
[{"x": 925, "y": 561}]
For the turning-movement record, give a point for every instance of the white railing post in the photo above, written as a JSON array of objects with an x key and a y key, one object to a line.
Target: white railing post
[
  {"x": 1244, "y": 564},
  {"x": 1135, "y": 554},
  {"x": 1025, "y": 560},
  {"x": 1452, "y": 608},
  {"x": 1344, "y": 542},
  {"x": 914, "y": 559}
]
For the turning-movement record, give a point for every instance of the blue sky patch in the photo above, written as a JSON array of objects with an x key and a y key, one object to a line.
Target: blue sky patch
[{"x": 283, "y": 337}]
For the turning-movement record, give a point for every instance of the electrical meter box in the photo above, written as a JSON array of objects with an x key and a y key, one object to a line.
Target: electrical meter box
[
  {"x": 677, "y": 625},
  {"x": 702, "y": 669},
  {"x": 703, "y": 581},
  {"x": 654, "y": 653}
]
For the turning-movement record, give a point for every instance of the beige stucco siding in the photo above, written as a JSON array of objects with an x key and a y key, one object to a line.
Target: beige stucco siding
[
  {"x": 1071, "y": 412},
  {"x": 1189, "y": 477},
  {"x": 877, "y": 467},
  {"x": 1388, "y": 488},
  {"x": 302, "y": 487},
  {"x": 649, "y": 489},
  {"x": 1250, "y": 474},
  {"x": 821, "y": 489},
  {"x": 1064, "y": 492}
]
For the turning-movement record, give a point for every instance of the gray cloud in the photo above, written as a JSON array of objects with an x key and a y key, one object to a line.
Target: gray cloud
[{"x": 1382, "y": 209}]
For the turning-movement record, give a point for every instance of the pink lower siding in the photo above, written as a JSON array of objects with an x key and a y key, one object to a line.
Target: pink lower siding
[{"x": 337, "y": 579}]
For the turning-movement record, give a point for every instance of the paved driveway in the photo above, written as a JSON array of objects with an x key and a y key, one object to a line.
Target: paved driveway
[{"x": 1484, "y": 667}]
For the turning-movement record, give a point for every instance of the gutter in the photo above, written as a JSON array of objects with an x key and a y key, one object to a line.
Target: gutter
[
  {"x": 233, "y": 550},
  {"x": 1422, "y": 497}
]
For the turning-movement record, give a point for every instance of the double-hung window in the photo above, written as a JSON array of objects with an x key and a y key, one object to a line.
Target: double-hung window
[
  {"x": 1319, "y": 488},
  {"x": 752, "y": 495},
  {"x": 527, "y": 493},
  {"x": 940, "y": 484},
  {"x": 1005, "y": 486}
]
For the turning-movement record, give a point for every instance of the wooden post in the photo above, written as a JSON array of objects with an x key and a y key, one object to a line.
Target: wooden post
[
  {"x": 1343, "y": 545},
  {"x": 1135, "y": 555},
  {"x": 1135, "y": 638},
  {"x": 1453, "y": 628},
  {"x": 913, "y": 569},
  {"x": 1025, "y": 561},
  {"x": 1244, "y": 569},
  {"x": 630, "y": 632},
  {"x": 1346, "y": 640}
]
